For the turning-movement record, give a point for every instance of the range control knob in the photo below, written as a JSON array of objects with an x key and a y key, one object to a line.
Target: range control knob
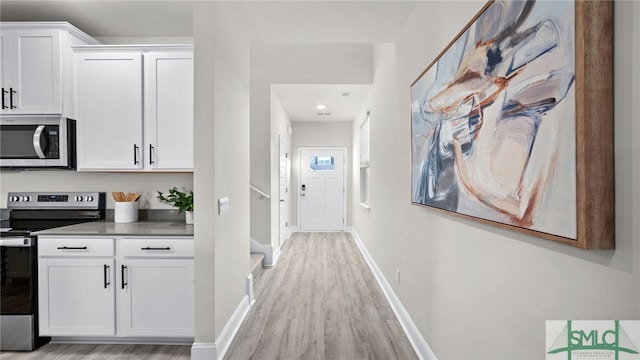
[
  {"x": 78, "y": 198},
  {"x": 24, "y": 198},
  {"x": 15, "y": 198},
  {"x": 89, "y": 198}
]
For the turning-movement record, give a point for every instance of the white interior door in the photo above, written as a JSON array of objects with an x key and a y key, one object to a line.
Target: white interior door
[
  {"x": 322, "y": 190},
  {"x": 284, "y": 189}
]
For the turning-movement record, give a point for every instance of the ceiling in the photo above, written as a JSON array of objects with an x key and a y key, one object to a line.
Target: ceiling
[
  {"x": 107, "y": 18},
  {"x": 342, "y": 101},
  {"x": 298, "y": 21}
]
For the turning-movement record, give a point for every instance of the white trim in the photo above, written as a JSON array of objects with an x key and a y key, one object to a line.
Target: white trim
[
  {"x": 249, "y": 289},
  {"x": 344, "y": 183},
  {"x": 60, "y": 25},
  {"x": 276, "y": 256},
  {"x": 231, "y": 328},
  {"x": 188, "y": 48},
  {"x": 418, "y": 343},
  {"x": 283, "y": 198},
  {"x": 290, "y": 231},
  {"x": 216, "y": 351},
  {"x": 203, "y": 351},
  {"x": 120, "y": 340},
  {"x": 260, "y": 248}
]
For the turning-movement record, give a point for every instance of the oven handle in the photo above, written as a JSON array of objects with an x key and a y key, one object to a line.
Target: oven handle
[
  {"x": 15, "y": 242},
  {"x": 37, "y": 142}
]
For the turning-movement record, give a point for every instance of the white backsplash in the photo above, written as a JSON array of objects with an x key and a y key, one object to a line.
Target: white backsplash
[{"x": 147, "y": 184}]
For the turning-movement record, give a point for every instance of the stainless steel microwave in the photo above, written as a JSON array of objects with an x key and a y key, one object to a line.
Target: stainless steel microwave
[{"x": 37, "y": 142}]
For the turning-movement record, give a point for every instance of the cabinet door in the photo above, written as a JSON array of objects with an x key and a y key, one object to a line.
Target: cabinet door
[
  {"x": 155, "y": 297},
  {"x": 169, "y": 110},
  {"x": 76, "y": 297},
  {"x": 109, "y": 110},
  {"x": 36, "y": 72},
  {"x": 5, "y": 68}
]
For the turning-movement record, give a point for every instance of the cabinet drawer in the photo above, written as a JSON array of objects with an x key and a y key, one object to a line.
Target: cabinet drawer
[
  {"x": 159, "y": 247},
  {"x": 75, "y": 247}
]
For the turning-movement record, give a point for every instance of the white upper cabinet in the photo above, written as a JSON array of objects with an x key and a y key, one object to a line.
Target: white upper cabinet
[
  {"x": 36, "y": 65},
  {"x": 169, "y": 110},
  {"x": 135, "y": 108},
  {"x": 109, "y": 110}
]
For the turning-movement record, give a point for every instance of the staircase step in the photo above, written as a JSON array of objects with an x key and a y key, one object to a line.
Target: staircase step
[{"x": 255, "y": 262}]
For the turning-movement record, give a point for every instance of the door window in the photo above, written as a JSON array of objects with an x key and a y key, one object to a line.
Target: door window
[{"x": 322, "y": 163}]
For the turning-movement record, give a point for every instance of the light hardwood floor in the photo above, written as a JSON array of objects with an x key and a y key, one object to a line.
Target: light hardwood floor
[
  {"x": 321, "y": 301},
  {"x": 102, "y": 352}
]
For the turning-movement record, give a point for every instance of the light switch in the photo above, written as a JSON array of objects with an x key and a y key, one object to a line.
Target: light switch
[{"x": 223, "y": 205}]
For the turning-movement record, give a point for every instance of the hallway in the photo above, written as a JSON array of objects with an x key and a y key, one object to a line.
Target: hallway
[{"x": 321, "y": 301}]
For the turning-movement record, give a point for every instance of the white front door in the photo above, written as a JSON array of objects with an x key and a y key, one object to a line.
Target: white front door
[
  {"x": 284, "y": 209},
  {"x": 321, "y": 190}
]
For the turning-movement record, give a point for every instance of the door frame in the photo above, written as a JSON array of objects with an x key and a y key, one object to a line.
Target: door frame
[
  {"x": 282, "y": 238},
  {"x": 344, "y": 182}
]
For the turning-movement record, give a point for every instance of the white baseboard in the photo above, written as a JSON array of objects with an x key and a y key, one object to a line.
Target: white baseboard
[
  {"x": 276, "y": 256},
  {"x": 216, "y": 351},
  {"x": 418, "y": 343},
  {"x": 203, "y": 351},
  {"x": 290, "y": 231},
  {"x": 249, "y": 289},
  {"x": 120, "y": 340},
  {"x": 266, "y": 249}
]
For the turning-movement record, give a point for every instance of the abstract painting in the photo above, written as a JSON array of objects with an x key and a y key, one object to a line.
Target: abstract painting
[{"x": 495, "y": 121}]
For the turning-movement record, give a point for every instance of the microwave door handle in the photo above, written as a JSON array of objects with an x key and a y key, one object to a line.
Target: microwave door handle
[{"x": 37, "y": 142}]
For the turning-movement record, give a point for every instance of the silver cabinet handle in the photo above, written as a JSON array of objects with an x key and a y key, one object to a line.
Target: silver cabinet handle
[
  {"x": 38, "y": 143},
  {"x": 150, "y": 154}
]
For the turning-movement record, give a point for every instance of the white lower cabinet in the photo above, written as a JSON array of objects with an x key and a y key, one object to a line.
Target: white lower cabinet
[
  {"x": 144, "y": 290},
  {"x": 76, "y": 297}
]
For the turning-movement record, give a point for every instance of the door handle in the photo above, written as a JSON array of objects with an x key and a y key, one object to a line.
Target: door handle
[
  {"x": 38, "y": 142},
  {"x": 106, "y": 270},
  {"x": 122, "y": 276},
  {"x": 150, "y": 154},
  {"x": 11, "y": 92}
]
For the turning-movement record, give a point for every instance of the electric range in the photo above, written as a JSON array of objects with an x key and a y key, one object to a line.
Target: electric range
[{"x": 31, "y": 212}]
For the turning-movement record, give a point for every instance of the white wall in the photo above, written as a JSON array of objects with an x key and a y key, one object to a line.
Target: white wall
[
  {"x": 221, "y": 167},
  {"x": 476, "y": 291},
  {"x": 320, "y": 134},
  {"x": 285, "y": 63}
]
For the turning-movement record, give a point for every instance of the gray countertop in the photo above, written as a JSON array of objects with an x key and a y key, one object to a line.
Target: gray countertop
[{"x": 109, "y": 228}]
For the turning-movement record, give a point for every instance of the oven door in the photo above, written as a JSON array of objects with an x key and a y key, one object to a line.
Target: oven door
[
  {"x": 34, "y": 141},
  {"x": 18, "y": 287}
]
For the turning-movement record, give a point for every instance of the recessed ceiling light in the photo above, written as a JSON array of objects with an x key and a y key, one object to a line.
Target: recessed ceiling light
[{"x": 321, "y": 107}]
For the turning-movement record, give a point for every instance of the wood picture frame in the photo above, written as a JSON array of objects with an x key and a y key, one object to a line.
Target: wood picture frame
[{"x": 488, "y": 146}]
